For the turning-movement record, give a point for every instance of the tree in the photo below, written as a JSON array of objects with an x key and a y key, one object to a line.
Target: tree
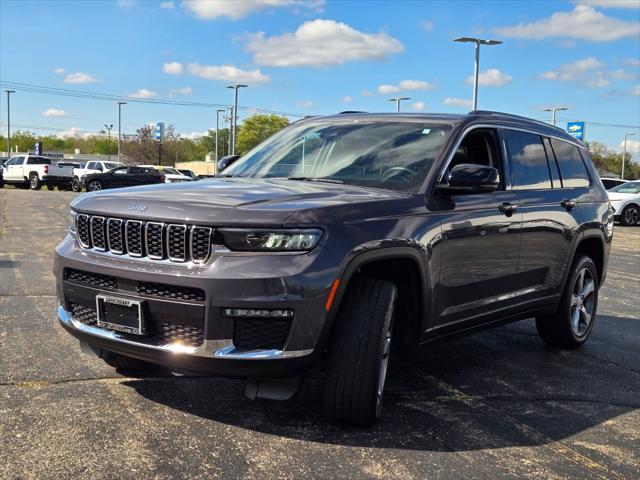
[
  {"x": 256, "y": 129},
  {"x": 612, "y": 162}
]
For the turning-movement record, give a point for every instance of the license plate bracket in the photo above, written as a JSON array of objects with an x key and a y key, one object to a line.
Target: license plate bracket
[{"x": 121, "y": 314}]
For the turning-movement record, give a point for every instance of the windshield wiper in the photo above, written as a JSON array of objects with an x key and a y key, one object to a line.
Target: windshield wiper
[{"x": 315, "y": 179}]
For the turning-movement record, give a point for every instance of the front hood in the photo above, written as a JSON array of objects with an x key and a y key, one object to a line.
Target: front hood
[
  {"x": 225, "y": 201},
  {"x": 616, "y": 196}
]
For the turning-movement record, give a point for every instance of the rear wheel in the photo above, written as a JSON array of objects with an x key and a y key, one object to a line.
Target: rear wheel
[
  {"x": 75, "y": 185},
  {"x": 359, "y": 352},
  {"x": 630, "y": 215},
  {"x": 571, "y": 325},
  {"x": 94, "y": 186},
  {"x": 34, "y": 182}
]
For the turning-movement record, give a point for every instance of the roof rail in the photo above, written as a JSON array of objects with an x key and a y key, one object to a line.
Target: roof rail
[
  {"x": 515, "y": 117},
  {"x": 351, "y": 111}
]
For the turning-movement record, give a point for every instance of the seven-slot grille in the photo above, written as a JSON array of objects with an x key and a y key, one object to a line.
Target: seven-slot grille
[{"x": 157, "y": 241}]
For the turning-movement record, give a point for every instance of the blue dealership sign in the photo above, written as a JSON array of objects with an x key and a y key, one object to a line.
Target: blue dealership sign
[
  {"x": 576, "y": 129},
  {"x": 159, "y": 131}
]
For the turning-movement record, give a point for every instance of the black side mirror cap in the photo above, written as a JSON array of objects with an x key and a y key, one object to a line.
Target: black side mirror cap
[
  {"x": 470, "y": 178},
  {"x": 224, "y": 162}
]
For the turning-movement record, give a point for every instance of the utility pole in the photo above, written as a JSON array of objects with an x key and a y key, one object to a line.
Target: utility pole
[
  {"x": 476, "y": 68},
  {"x": 553, "y": 115},
  {"x": 234, "y": 115},
  {"x": 398, "y": 100},
  {"x": 218, "y": 128},
  {"x": 120, "y": 128},
  {"x": 624, "y": 152},
  {"x": 109, "y": 127},
  {"x": 9, "y": 92}
]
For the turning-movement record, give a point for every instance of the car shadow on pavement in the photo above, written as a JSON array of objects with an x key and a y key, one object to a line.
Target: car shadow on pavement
[{"x": 496, "y": 389}]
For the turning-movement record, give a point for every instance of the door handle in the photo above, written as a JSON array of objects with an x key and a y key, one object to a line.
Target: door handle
[
  {"x": 507, "y": 208},
  {"x": 568, "y": 204}
]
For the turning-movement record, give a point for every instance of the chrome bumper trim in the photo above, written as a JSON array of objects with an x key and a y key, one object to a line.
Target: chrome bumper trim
[{"x": 218, "y": 349}]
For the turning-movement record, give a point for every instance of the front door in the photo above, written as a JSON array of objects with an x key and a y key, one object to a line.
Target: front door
[{"x": 13, "y": 169}]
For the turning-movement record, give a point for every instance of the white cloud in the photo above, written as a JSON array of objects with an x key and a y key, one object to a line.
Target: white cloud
[
  {"x": 632, "y": 62},
  {"x": 142, "y": 93},
  {"x": 419, "y": 106},
  {"x": 125, "y": 3},
  {"x": 458, "y": 102},
  {"x": 213, "y": 9},
  {"x": 583, "y": 22},
  {"x": 387, "y": 89},
  {"x": 610, "y": 3},
  {"x": 367, "y": 93},
  {"x": 80, "y": 77},
  {"x": 633, "y": 146},
  {"x": 587, "y": 72},
  {"x": 426, "y": 25},
  {"x": 636, "y": 90},
  {"x": 59, "y": 71},
  {"x": 491, "y": 78},
  {"x": 227, "y": 73},
  {"x": 172, "y": 68},
  {"x": 620, "y": 74},
  {"x": 321, "y": 43},
  {"x": 72, "y": 132},
  {"x": 168, "y": 5},
  {"x": 415, "y": 85},
  {"x": 182, "y": 91},
  {"x": 347, "y": 99},
  {"x": 54, "y": 112},
  {"x": 305, "y": 104},
  {"x": 194, "y": 135}
]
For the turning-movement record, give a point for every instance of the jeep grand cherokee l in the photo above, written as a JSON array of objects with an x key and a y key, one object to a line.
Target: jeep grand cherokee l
[{"x": 337, "y": 240}]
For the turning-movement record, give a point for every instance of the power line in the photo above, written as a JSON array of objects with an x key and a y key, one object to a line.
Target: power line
[{"x": 614, "y": 125}]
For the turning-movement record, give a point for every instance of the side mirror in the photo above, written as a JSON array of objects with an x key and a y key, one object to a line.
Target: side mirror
[
  {"x": 470, "y": 178},
  {"x": 224, "y": 162}
]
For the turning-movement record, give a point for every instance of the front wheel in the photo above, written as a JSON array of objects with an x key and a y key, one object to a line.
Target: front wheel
[
  {"x": 34, "y": 182},
  {"x": 94, "y": 186},
  {"x": 630, "y": 215},
  {"x": 570, "y": 326},
  {"x": 359, "y": 352},
  {"x": 75, "y": 185}
]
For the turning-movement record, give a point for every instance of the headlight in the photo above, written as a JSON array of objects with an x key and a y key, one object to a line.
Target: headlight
[
  {"x": 270, "y": 240},
  {"x": 71, "y": 222}
]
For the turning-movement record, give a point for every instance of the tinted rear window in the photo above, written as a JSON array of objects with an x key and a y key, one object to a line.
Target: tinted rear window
[
  {"x": 527, "y": 160},
  {"x": 572, "y": 168},
  {"x": 38, "y": 161}
]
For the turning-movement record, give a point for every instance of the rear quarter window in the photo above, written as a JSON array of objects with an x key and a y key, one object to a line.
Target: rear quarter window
[
  {"x": 572, "y": 167},
  {"x": 527, "y": 161}
]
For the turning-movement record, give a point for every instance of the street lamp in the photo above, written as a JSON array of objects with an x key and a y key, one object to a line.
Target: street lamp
[
  {"x": 218, "y": 128},
  {"x": 553, "y": 115},
  {"x": 234, "y": 114},
  {"x": 9, "y": 92},
  {"x": 109, "y": 127},
  {"x": 478, "y": 42},
  {"x": 624, "y": 152},
  {"x": 398, "y": 100},
  {"x": 120, "y": 128}
]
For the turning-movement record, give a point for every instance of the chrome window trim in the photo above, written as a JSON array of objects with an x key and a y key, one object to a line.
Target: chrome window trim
[
  {"x": 99, "y": 249},
  {"x": 122, "y": 239},
  {"x": 193, "y": 227},
  {"x": 146, "y": 239},
  {"x": 184, "y": 236},
  {"x": 83, "y": 215},
  {"x": 126, "y": 238}
]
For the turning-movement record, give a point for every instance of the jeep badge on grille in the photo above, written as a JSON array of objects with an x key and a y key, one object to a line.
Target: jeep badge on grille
[{"x": 137, "y": 207}]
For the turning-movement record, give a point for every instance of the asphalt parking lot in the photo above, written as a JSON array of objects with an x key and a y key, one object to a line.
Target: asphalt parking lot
[{"x": 495, "y": 405}]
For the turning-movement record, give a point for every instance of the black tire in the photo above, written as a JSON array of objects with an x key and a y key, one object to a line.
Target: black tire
[
  {"x": 568, "y": 327},
  {"x": 76, "y": 186},
  {"x": 50, "y": 188},
  {"x": 34, "y": 182},
  {"x": 630, "y": 215},
  {"x": 94, "y": 186},
  {"x": 359, "y": 352},
  {"x": 128, "y": 365}
]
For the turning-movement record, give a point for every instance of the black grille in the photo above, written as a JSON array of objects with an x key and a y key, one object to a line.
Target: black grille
[
  {"x": 170, "y": 291},
  {"x": 258, "y": 333},
  {"x": 175, "y": 242},
  {"x": 88, "y": 278},
  {"x": 159, "y": 334}
]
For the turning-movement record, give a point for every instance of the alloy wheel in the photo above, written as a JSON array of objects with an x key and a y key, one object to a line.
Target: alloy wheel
[
  {"x": 95, "y": 186},
  {"x": 582, "y": 302},
  {"x": 384, "y": 365},
  {"x": 632, "y": 215}
]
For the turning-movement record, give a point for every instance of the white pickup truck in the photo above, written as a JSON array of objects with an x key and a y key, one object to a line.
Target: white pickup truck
[
  {"x": 90, "y": 168},
  {"x": 27, "y": 170}
]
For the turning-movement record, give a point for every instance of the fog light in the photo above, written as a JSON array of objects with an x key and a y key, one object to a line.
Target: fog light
[{"x": 258, "y": 312}]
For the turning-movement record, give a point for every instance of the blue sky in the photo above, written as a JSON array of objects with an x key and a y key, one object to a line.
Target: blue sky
[{"x": 320, "y": 57}]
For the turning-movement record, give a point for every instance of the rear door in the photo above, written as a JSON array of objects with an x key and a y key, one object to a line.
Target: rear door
[{"x": 550, "y": 220}]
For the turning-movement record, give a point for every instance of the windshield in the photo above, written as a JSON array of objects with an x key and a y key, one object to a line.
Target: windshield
[
  {"x": 629, "y": 187},
  {"x": 170, "y": 171},
  {"x": 111, "y": 165},
  {"x": 385, "y": 154}
]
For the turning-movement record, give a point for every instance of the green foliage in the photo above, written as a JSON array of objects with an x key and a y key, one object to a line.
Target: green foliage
[
  {"x": 256, "y": 129},
  {"x": 612, "y": 162}
]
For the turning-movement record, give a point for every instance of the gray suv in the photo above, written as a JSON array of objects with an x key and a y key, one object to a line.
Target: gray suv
[{"x": 337, "y": 242}]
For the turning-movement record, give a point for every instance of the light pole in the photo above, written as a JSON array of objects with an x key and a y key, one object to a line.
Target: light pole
[
  {"x": 9, "y": 92},
  {"x": 624, "y": 152},
  {"x": 120, "y": 128},
  {"x": 218, "y": 128},
  {"x": 553, "y": 115},
  {"x": 234, "y": 115},
  {"x": 476, "y": 69},
  {"x": 109, "y": 127},
  {"x": 398, "y": 100}
]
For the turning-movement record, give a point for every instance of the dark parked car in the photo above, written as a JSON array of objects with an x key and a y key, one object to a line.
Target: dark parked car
[
  {"x": 610, "y": 183},
  {"x": 336, "y": 242},
  {"x": 123, "y": 177}
]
